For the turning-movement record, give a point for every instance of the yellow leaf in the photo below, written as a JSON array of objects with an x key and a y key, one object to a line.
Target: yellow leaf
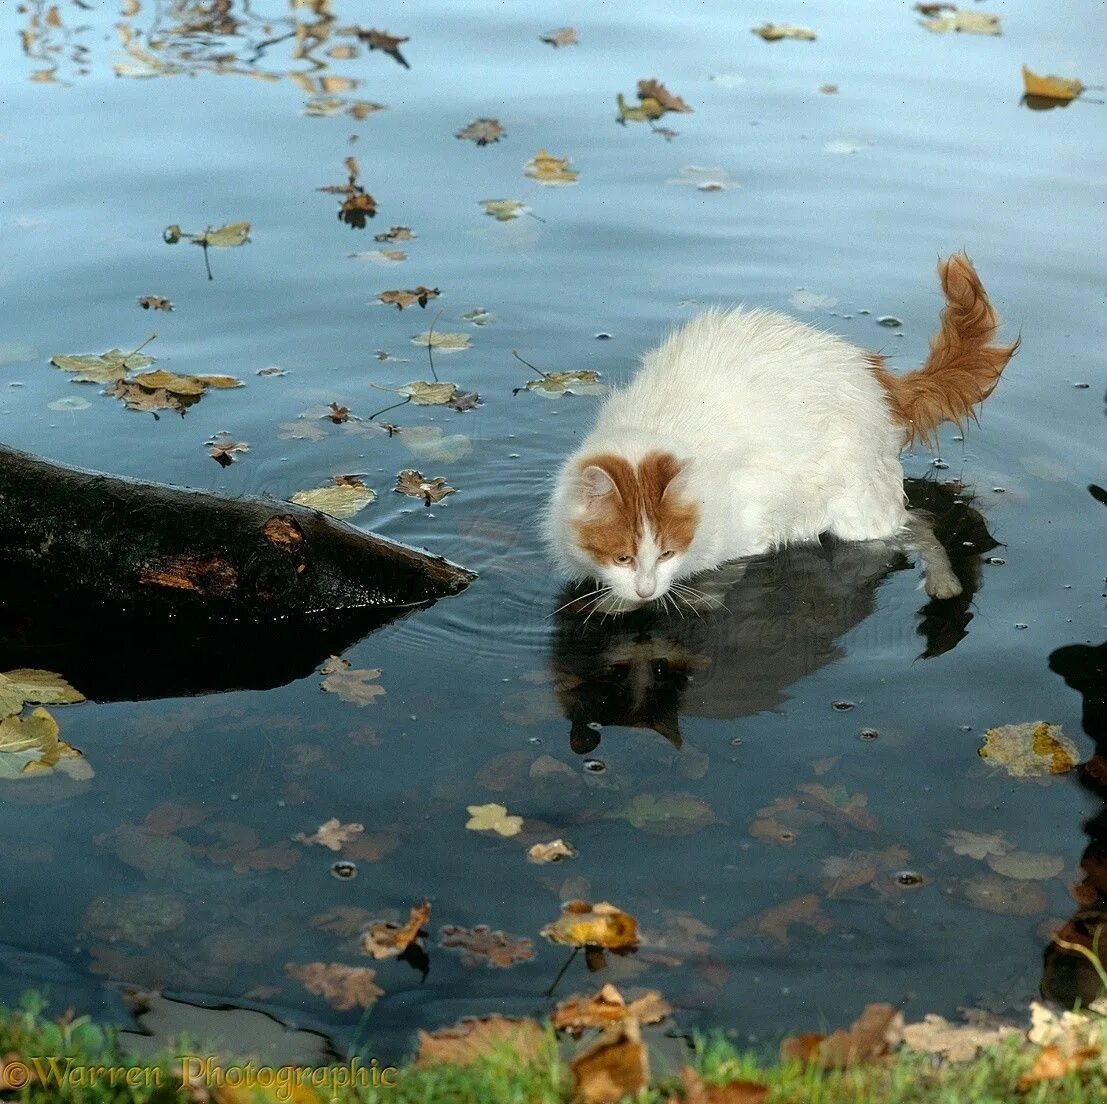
[
  {"x": 1032, "y": 750},
  {"x": 339, "y": 499},
  {"x": 550, "y": 170},
  {"x": 1051, "y": 87},
  {"x": 774, "y": 32},
  {"x": 601, "y": 925},
  {"x": 493, "y": 818}
]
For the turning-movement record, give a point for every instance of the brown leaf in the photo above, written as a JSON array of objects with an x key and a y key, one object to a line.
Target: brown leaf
[
  {"x": 395, "y": 234},
  {"x": 342, "y": 920},
  {"x": 1053, "y": 1063},
  {"x": 870, "y": 1036},
  {"x": 332, "y": 834},
  {"x": 606, "y": 1008},
  {"x": 471, "y": 1039},
  {"x": 223, "y": 449},
  {"x": 1061, "y": 89},
  {"x": 653, "y": 89},
  {"x": 563, "y": 36},
  {"x": 731, "y": 1092},
  {"x": 481, "y": 945},
  {"x": 401, "y": 298},
  {"x": 776, "y": 922},
  {"x": 615, "y": 1066},
  {"x": 416, "y": 485},
  {"x": 386, "y": 43},
  {"x": 154, "y": 302},
  {"x": 551, "y": 852},
  {"x": 385, "y": 940},
  {"x": 601, "y": 925},
  {"x": 342, "y": 987},
  {"x": 240, "y": 848},
  {"x": 774, "y": 32},
  {"x": 957, "y": 1042},
  {"x": 482, "y": 131}
]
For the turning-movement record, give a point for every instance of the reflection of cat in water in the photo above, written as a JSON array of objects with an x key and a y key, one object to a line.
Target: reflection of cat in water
[{"x": 766, "y": 624}]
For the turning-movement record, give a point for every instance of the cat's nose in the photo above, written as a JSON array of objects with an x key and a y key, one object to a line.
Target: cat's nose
[{"x": 645, "y": 591}]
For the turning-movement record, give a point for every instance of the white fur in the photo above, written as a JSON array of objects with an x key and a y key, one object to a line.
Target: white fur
[{"x": 784, "y": 431}]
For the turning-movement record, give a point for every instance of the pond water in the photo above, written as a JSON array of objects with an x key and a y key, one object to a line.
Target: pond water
[{"x": 652, "y": 744}]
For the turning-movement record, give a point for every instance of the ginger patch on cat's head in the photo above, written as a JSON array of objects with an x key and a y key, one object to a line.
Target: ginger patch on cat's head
[{"x": 625, "y": 503}]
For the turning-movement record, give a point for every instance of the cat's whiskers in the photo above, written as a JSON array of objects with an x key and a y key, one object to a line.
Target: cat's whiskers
[{"x": 579, "y": 598}]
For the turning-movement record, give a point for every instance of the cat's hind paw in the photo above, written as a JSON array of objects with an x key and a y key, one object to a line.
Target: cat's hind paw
[{"x": 942, "y": 584}]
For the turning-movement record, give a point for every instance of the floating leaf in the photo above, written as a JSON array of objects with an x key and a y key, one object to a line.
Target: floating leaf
[
  {"x": 481, "y": 945},
  {"x": 29, "y": 746},
  {"x": 472, "y": 1040},
  {"x": 1036, "y": 749},
  {"x": 102, "y": 367},
  {"x": 977, "y": 845},
  {"x": 380, "y": 256},
  {"x": 549, "y": 170},
  {"x": 653, "y": 90},
  {"x": 605, "y": 1009},
  {"x": 430, "y": 443},
  {"x": 1005, "y": 895},
  {"x": 416, "y": 485},
  {"x": 223, "y": 449},
  {"x": 970, "y": 22},
  {"x": 1026, "y": 865},
  {"x": 774, "y": 32},
  {"x": 443, "y": 342},
  {"x": 226, "y": 237},
  {"x": 703, "y": 179},
  {"x": 777, "y": 921},
  {"x": 395, "y": 234},
  {"x": 154, "y": 302},
  {"x": 504, "y": 210},
  {"x": 342, "y": 987},
  {"x": 554, "y": 384},
  {"x": 332, "y": 834},
  {"x": 357, "y": 204},
  {"x": 562, "y": 36},
  {"x": 403, "y": 298},
  {"x": 385, "y": 940},
  {"x": 493, "y": 818},
  {"x": 386, "y": 43},
  {"x": 668, "y": 814},
  {"x": 358, "y": 687},
  {"x": 1062, "y": 89},
  {"x": 600, "y": 925},
  {"x": 345, "y": 496},
  {"x": 482, "y": 131},
  {"x": 551, "y": 852},
  {"x": 426, "y": 393},
  {"x": 29, "y": 685}
]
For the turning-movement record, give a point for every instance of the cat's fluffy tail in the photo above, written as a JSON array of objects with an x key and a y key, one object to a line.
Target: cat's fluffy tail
[{"x": 962, "y": 368}]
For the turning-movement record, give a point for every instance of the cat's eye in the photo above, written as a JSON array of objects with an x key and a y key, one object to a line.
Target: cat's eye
[
  {"x": 623, "y": 559},
  {"x": 668, "y": 554}
]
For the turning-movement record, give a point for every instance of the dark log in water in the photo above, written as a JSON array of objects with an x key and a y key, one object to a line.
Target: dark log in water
[{"x": 125, "y": 546}]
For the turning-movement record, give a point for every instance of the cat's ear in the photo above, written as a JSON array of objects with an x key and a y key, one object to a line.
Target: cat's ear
[
  {"x": 676, "y": 485},
  {"x": 596, "y": 485}
]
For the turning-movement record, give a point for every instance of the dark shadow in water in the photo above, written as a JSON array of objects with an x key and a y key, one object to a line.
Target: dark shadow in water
[
  {"x": 1068, "y": 976},
  {"x": 118, "y": 658},
  {"x": 785, "y": 615}
]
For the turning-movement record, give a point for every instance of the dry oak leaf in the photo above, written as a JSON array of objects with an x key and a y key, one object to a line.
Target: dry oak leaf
[
  {"x": 562, "y": 36},
  {"x": 1036, "y": 749},
  {"x": 356, "y": 686},
  {"x": 395, "y": 234},
  {"x": 416, "y": 485},
  {"x": 1051, "y": 87},
  {"x": 493, "y": 818},
  {"x": 342, "y": 987},
  {"x": 385, "y": 940},
  {"x": 600, "y": 925},
  {"x": 729, "y": 1092},
  {"x": 551, "y": 852},
  {"x": 386, "y": 43},
  {"x": 471, "y": 1039},
  {"x": 482, "y": 131},
  {"x": 653, "y": 89},
  {"x": 401, "y": 298},
  {"x": 343, "y": 498},
  {"x": 957, "y": 1042},
  {"x": 615, "y": 1066},
  {"x": 223, "y": 448},
  {"x": 547, "y": 169},
  {"x": 154, "y": 302},
  {"x": 776, "y": 922},
  {"x": 32, "y": 685},
  {"x": 30, "y": 746},
  {"x": 774, "y": 32},
  {"x": 331, "y": 834},
  {"x": 480, "y": 944},
  {"x": 606, "y": 1008}
]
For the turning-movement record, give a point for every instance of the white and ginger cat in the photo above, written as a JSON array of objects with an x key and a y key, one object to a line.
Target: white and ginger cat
[{"x": 747, "y": 431}]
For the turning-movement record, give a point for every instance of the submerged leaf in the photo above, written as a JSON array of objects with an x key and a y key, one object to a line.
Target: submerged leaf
[
  {"x": 482, "y": 131},
  {"x": 358, "y": 687},
  {"x": 970, "y": 22},
  {"x": 977, "y": 845},
  {"x": 481, "y": 945},
  {"x": 563, "y": 36},
  {"x": 342, "y": 987},
  {"x": 332, "y": 834},
  {"x": 668, "y": 814}
]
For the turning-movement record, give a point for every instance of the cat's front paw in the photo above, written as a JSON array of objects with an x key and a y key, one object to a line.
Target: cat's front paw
[{"x": 943, "y": 584}]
